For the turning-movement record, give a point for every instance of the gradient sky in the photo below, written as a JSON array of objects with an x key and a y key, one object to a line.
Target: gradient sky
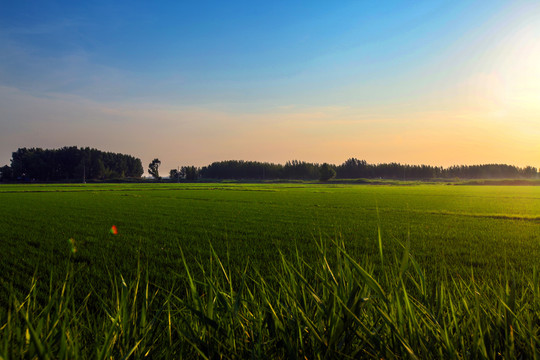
[{"x": 418, "y": 82}]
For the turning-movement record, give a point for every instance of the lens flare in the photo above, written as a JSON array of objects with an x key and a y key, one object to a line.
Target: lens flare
[
  {"x": 114, "y": 230},
  {"x": 72, "y": 245}
]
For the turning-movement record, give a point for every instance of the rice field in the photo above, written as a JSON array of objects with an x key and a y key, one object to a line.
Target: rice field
[{"x": 190, "y": 254}]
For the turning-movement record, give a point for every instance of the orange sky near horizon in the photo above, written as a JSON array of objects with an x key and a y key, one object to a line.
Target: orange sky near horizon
[{"x": 484, "y": 133}]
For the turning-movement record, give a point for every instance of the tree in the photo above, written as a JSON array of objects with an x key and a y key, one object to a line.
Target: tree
[
  {"x": 153, "y": 168},
  {"x": 174, "y": 175},
  {"x": 5, "y": 173},
  {"x": 72, "y": 163},
  {"x": 327, "y": 172},
  {"x": 353, "y": 169},
  {"x": 190, "y": 172}
]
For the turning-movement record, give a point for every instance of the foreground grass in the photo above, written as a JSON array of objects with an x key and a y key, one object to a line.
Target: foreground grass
[{"x": 328, "y": 306}]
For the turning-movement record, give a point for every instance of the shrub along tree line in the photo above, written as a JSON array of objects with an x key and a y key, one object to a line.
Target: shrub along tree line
[{"x": 69, "y": 163}]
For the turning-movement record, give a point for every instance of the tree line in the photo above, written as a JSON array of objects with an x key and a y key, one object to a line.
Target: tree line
[
  {"x": 350, "y": 169},
  {"x": 69, "y": 163}
]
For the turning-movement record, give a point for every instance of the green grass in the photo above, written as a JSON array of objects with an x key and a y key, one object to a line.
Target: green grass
[
  {"x": 325, "y": 307},
  {"x": 449, "y": 226},
  {"x": 269, "y": 236}
]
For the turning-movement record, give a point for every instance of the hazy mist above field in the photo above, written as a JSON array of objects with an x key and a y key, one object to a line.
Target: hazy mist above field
[{"x": 433, "y": 82}]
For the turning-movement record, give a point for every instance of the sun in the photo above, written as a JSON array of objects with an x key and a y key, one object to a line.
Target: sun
[{"x": 517, "y": 64}]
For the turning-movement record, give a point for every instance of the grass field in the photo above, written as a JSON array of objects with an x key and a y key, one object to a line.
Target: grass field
[{"x": 450, "y": 232}]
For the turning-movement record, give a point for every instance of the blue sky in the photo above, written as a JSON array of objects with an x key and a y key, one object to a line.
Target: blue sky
[
  {"x": 272, "y": 81},
  {"x": 196, "y": 52}
]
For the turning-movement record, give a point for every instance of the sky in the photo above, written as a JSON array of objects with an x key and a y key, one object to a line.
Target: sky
[{"x": 193, "y": 82}]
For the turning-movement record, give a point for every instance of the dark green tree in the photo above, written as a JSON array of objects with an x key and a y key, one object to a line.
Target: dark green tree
[
  {"x": 69, "y": 163},
  {"x": 6, "y": 173},
  {"x": 174, "y": 175},
  {"x": 190, "y": 172},
  {"x": 326, "y": 172},
  {"x": 153, "y": 168}
]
